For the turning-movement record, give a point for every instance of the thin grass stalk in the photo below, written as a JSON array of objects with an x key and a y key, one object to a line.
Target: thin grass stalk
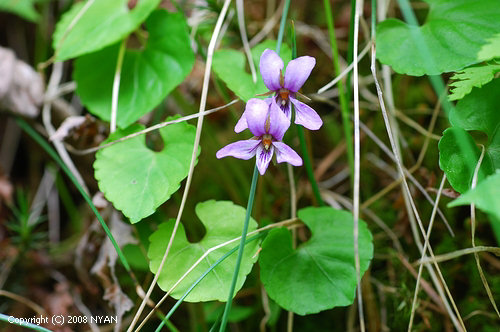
[
  {"x": 344, "y": 102},
  {"x": 116, "y": 85},
  {"x": 241, "y": 249},
  {"x": 357, "y": 161}
]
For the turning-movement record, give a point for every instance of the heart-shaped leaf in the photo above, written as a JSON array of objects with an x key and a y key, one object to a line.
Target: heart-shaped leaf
[
  {"x": 147, "y": 75},
  {"x": 485, "y": 196},
  {"x": 229, "y": 65},
  {"x": 449, "y": 40},
  {"x": 23, "y": 8},
  {"x": 478, "y": 111},
  {"x": 136, "y": 179},
  {"x": 472, "y": 77},
  {"x": 320, "y": 274},
  {"x": 223, "y": 221},
  {"x": 103, "y": 23}
]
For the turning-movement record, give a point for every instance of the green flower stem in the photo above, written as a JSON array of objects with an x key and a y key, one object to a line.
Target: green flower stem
[
  {"x": 303, "y": 145},
  {"x": 213, "y": 266},
  {"x": 54, "y": 156},
  {"x": 308, "y": 165},
  {"x": 343, "y": 97},
  {"x": 30, "y": 326},
  {"x": 281, "y": 31},
  {"x": 251, "y": 197}
]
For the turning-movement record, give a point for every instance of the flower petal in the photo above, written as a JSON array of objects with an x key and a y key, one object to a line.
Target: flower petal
[
  {"x": 278, "y": 122},
  {"x": 297, "y": 72},
  {"x": 241, "y": 124},
  {"x": 284, "y": 153},
  {"x": 256, "y": 112},
  {"x": 306, "y": 116},
  {"x": 264, "y": 158},
  {"x": 242, "y": 149},
  {"x": 270, "y": 67}
]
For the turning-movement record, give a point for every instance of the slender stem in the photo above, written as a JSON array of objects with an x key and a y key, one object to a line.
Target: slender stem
[
  {"x": 350, "y": 47},
  {"x": 116, "y": 85},
  {"x": 308, "y": 166},
  {"x": 344, "y": 103},
  {"x": 282, "y": 26},
  {"x": 54, "y": 156},
  {"x": 240, "y": 249}
]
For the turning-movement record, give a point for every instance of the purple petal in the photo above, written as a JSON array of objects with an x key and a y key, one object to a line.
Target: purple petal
[
  {"x": 256, "y": 112},
  {"x": 241, "y": 124},
  {"x": 284, "y": 153},
  {"x": 242, "y": 149},
  {"x": 278, "y": 122},
  {"x": 270, "y": 67},
  {"x": 264, "y": 158},
  {"x": 297, "y": 72},
  {"x": 306, "y": 116}
]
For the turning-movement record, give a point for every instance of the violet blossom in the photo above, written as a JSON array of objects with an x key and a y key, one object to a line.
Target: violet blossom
[
  {"x": 285, "y": 88},
  {"x": 268, "y": 123}
]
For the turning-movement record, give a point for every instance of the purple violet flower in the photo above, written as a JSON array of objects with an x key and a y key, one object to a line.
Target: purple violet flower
[
  {"x": 285, "y": 88},
  {"x": 268, "y": 124}
]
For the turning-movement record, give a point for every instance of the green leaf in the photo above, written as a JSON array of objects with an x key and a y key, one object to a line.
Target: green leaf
[
  {"x": 449, "y": 40},
  {"x": 147, "y": 76},
  {"x": 23, "y": 8},
  {"x": 320, "y": 274},
  {"x": 491, "y": 49},
  {"x": 472, "y": 77},
  {"x": 230, "y": 66},
  {"x": 458, "y": 161},
  {"x": 102, "y": 24},
  {"x": 136, "y": 179},
  {"x": 485, "y": 196},
  {"x": 477, "y": 111},
  {"x": 223, "y": 221}
]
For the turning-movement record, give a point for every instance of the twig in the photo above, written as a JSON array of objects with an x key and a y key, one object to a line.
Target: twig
[
  {"x": 356, "y": 175},
  {"x": 244, "y": 38}
]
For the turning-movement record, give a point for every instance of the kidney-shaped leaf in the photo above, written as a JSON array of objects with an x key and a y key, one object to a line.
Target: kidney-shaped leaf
[
  {"x": 477, "y": 111},
  {"x": 223, "y": 221},
  {"x": 136, "y": 179},
  {"x": 320, "y": 274},
  {"x": 147, "y": 75},
  {"x": 101, "y": 24},
  {"x": 229, "y": 65},
  {"x": 449, "y": 40}
]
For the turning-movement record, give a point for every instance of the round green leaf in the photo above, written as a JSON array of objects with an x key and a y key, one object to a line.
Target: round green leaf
[
  {"x": 458, "y": 161},
  {"x": 485, "y": 196},
  {"x": 102, "y": 24},
  {"x": 449, "y": 40},
  {"x": 223, "y": 221},
  {"x": 229, "y": 65},
  {"x": 320, "y": 274},
  {"x": 136, "y": 179},
  {"x": 477, "y": 111},
  {"x": 147, "y": 75}
]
